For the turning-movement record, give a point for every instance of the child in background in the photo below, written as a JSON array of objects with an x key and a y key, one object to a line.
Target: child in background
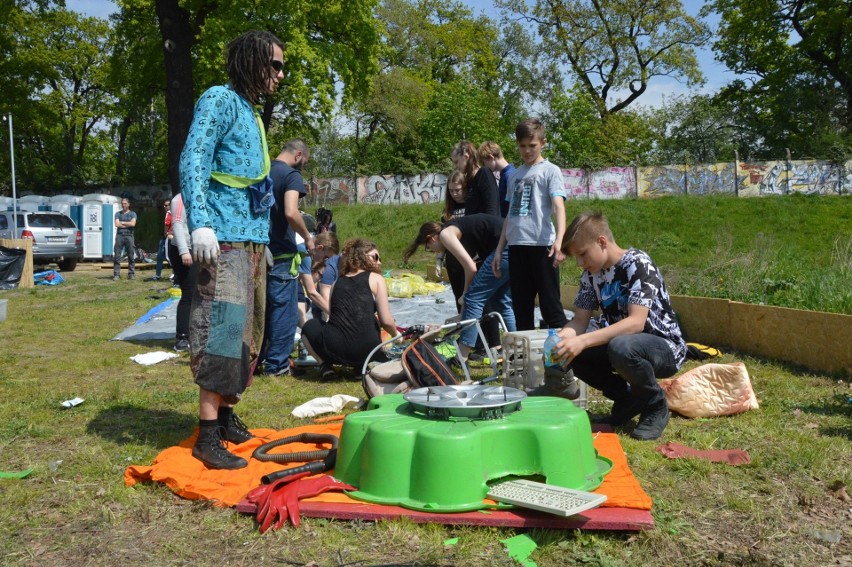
[
  {"x": 537, "y": 194},
  {"x": 481, "y": 185},
  {"x": 454, "y": 199},
  {"x": 642, "y": 340},
  {"x": 491, "y": 155},
  {"x": 326, "y": 245}
]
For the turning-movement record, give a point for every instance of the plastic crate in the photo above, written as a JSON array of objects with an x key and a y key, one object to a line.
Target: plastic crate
[{"x": 523, "y": 363}]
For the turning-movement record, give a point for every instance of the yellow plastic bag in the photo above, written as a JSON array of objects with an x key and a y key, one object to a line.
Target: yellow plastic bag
[{"x": 400, "y": 287}]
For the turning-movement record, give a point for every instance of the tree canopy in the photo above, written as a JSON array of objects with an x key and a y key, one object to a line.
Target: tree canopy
[
  {"x": 795, "y": 62},
  {"x": 389, "y": 86},
  {"x": 615, "y": 48}
]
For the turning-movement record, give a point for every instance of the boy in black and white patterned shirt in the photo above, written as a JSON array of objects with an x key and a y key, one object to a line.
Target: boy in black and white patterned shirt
[{"x": 641, "y": 340}]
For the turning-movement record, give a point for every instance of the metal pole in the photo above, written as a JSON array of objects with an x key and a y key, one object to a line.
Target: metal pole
[
  {"x": 736, "y": 173},
  {"x": 14, "y": 190}
]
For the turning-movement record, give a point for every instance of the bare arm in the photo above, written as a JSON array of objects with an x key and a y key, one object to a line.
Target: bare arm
[
  {"x": 498, "y": 252},
  {"x": 450, "y": 239},
  {"x": 312, "y": 293},
  {"x": 294, "y": 218},
  {"x": 325, "y": 293},
  {"x": 559, "y": 216},
  {"x": 380, "y": 292}
]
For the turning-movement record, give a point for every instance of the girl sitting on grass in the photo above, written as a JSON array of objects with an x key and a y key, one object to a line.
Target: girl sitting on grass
[{"x": 359, "y": 310}]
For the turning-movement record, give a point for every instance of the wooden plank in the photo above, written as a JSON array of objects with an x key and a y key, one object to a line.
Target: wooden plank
[
  {"x": 814, "y": 339},
  {"x": 597, "y": 519},
  {"x": 22, "y": 244},
  {"x": 704, "y": 320}
]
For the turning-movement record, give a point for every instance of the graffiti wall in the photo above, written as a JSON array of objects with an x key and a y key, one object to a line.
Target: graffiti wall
[
  {"x": 751, "y": 179},
  {"x": 333, "y": 191},
  {"x": 815, "y": 178},
  {"x": 612, "y": 183},
  {"x": 576, "y": 183},
  {"x": 766, "y": 178},
  {"x": 401, "y": 189},
  {"x": 661, "y": 180},
  {"x": 713, "y": 178}
]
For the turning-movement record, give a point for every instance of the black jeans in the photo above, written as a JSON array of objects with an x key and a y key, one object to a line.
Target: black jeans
[
  {"x": 187, "y": 278},
  {"x": 628, "y": 367},
  {"x": 531, "y": 274}
]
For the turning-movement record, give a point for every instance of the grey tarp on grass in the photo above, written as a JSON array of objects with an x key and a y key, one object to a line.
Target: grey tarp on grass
[{"x": 159, "y": 322}]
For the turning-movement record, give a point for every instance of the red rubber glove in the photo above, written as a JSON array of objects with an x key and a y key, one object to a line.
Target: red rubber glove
[
  {"x": 264, "y": 497},
  {"x": 306, "y": 488}
]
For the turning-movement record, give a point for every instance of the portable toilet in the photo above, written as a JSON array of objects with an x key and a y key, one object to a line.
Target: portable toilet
[
  {"x": 34, "y": 203},
  {"x": 69, "y": 205},
  {"x": 63, "y": 203},
  {"x": 98, "y": 226}
]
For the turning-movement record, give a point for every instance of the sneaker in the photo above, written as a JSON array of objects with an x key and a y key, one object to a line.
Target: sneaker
[
  {"x": 327, "y": 373},
  {"x": 182, "y": 344},
  {"x": 235, "y": 431},
  {"x": 622, "y": 412},
  {"x": 115, "y": 278},
  {"x": 477, "y": 355},
  {"x": 652, "y": 422},
  {"x": 155, "y": 278},
  {"x": 131, "y": 277},
  {"x": 295, "y": 370},
  {"x": 210, "y": 450}
]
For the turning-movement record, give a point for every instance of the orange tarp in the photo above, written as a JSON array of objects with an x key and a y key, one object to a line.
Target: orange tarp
[{"x": 187, "y": 477}]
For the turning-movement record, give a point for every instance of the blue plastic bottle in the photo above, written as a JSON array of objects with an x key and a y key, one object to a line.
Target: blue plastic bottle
[{"x": 549, "y": 344}]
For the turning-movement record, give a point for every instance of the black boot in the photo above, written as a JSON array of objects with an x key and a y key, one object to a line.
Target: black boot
[
  {"x": 210, "y": 450},
  {"x": 559, "y": 384},
  {"x": 233, "y": 429},
  {"x": 623, "y": 411},
  {"x": 652, "y": 422}
]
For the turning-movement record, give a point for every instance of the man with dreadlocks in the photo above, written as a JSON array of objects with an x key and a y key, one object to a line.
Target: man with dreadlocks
[{"x": 224, "y": 171}]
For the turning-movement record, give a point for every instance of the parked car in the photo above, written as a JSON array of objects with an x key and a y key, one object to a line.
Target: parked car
[{"x": 55, "y": 236}]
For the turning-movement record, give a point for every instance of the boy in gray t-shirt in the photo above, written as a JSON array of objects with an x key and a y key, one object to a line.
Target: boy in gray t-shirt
[{"x": 536, "y": 196}]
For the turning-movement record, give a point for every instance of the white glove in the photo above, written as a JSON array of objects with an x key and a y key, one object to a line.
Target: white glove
[
  {"x": 205, "y": 247},
  {"x": 270, "y": 261}
]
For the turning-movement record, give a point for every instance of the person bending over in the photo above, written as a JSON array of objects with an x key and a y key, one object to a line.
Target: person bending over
[{"x": 471, "y": 240}]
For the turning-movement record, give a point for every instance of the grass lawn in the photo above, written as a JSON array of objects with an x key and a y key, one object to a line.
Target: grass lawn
[{"x": 790, "y": 506}]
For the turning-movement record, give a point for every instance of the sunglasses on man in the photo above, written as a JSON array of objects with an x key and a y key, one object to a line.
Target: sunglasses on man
[{"x": 277, "y": 65}]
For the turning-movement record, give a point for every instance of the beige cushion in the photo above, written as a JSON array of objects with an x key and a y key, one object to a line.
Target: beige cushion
[
  {"x": 711, "y": 390},
  {"x": 390, "y": 372},
  {"x": 374, "y": 388}
]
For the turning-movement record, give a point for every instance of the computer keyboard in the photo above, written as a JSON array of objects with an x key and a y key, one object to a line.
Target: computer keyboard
[{"x": 545, "y": 497}]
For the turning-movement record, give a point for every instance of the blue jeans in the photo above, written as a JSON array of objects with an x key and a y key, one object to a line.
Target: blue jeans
[
  {"x": 487, "y": 289},
  {"x": 282, "y": 316},
  {"x": 628, "y": 368}
]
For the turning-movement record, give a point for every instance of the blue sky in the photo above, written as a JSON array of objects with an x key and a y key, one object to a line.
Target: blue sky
[{"x": 715, "y": 73}]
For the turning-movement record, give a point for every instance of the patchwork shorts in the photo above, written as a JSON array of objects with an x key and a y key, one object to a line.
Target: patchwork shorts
[{"x": 226, "y": 319}]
